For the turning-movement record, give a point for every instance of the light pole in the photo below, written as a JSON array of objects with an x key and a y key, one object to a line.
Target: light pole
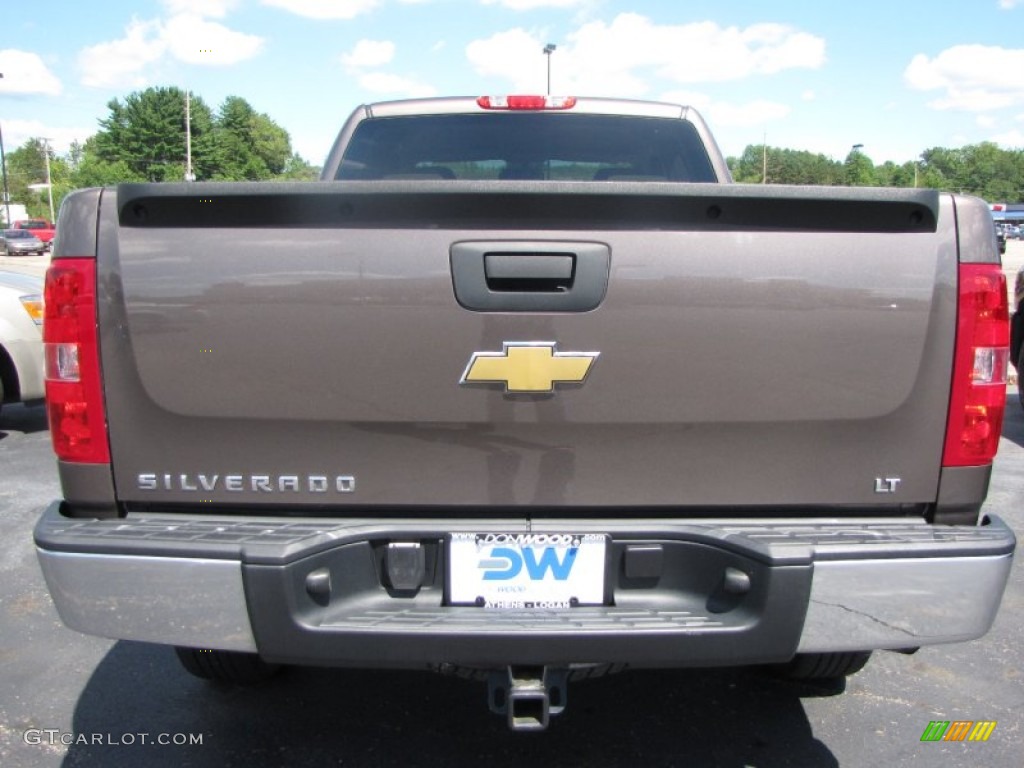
[
  {"x": 3, "y": 167},
  {"x": 548, "y": 50}
]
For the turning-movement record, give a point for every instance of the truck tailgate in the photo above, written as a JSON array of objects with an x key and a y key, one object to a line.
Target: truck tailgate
[{"x": 303, "y": 348}]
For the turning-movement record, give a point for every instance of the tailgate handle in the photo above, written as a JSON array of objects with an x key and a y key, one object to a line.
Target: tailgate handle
[
  {"x": 529, "y": 272},
  {"x": 530, "y": 276}
]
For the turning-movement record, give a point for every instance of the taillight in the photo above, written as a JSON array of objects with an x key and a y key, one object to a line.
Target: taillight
[
  {"x": 978, "y": 396},
  {"x": 74, "y": 396},
  {"x": 527, "y": 102}
]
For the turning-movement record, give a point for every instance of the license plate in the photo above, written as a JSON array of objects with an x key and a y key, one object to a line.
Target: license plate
[{"x": 526, "y": 570}]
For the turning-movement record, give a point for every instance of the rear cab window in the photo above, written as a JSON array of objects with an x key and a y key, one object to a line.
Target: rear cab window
[{"x": 531, "y": 146}]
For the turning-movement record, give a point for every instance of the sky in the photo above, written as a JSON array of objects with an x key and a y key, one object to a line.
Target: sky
[{"x": 898, "y": 76}]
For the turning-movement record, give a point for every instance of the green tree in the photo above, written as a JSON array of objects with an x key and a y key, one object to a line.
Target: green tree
[
  {"x": 785, "y": 166},
  {"x": 942, "y": 168},
  {"x": 92, "y": 170},
  {"x": 860, "y": 171},
  {"x": 26, "y": 177},
  {"x": 75, "y": 154},
  {"x": 146, "y": 132},
  {"x": 991, "y": 172},
  {"x": 26, "y": 165},
  {"x": 298, "y": 169},
  {"x": 248, "y": 144}
]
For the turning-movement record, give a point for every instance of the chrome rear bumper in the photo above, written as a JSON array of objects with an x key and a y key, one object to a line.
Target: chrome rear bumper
[{"x": 243, "y": 584}]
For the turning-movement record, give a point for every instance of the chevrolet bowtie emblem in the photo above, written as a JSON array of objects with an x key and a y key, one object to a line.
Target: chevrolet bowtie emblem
[{"x": 532, "y": 366}]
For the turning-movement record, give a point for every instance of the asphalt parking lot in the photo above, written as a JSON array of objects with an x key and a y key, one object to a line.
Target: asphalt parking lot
[
  {"x": 32, "y": 265},
  {"x": 72, "y": 700}
]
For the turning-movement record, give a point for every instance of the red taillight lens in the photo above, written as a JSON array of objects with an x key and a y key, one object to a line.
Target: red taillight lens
[
  {"x": 978, "y": 396},
  {"x": 527, "y": 102},
  {"x": 74, "y": 397}
]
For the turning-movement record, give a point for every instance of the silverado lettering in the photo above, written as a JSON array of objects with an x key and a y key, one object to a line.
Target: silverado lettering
[
  {"x": 151, "y": 481},
  {"x": 776, "y": 451}
]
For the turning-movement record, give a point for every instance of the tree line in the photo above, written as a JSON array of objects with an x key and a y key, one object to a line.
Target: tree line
[
  {"x": 984, "y": 170},
  {"x": 143, "y": 138}
]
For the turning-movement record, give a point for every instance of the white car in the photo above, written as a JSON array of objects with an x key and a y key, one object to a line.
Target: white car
[{"x": 21, "y": 338}]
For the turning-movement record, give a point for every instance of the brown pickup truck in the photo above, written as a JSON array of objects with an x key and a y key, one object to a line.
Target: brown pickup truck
[{"x": 525, "y": 387}]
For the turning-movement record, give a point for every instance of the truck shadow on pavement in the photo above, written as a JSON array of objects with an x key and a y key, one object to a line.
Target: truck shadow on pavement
[
  {"x": 27, "y": 419},
  {"x": 1013, "y": 419},
  {"x": 359, "y": 717}
]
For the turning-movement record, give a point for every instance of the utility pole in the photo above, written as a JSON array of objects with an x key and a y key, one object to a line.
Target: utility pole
[
  {"x": 189, "y": 176},
  {"x": 49, "y": 182},
  {"x": 548, "y": 50},
  {"x": 3, "y": 167}
]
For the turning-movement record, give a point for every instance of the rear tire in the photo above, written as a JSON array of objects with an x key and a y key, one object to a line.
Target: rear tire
[
  {"x": 232, "y": 667},
  {"x": 825, "y": 666}
]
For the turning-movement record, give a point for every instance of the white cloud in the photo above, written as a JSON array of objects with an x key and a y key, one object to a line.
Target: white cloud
[
  {"x": 325, "y": 9},
  {"x": 25, "y": 73},
  {"x": 186, "y": 37},
  {"x": 985, "y": 121},
  {"x": 809, "y": 96},
  {"x": 970, "y": 77},
  {"x": 196, "y": 41},
  {"x": 120, "y": 62},
  {"x": 1007, "y": 5},
  {"x": 621, "y": 57},
  {"x": 503, "y": 55},
  {"x": 395, "y": 85},
  {"x": 529, "y": 5},
  {"x": 17, "y": 132},
  {"x": 369, "y": 53},
  {"x": 216, "y": 9}
]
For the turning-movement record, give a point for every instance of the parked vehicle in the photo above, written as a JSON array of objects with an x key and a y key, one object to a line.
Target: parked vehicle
[
  {"x": 20, "y": 242},
  {"x": 41, "y": 228},
  {"x": 21, "y": 341},
  {"x": 533, "y": 392},
  {"x": 1017, "y": 332}
]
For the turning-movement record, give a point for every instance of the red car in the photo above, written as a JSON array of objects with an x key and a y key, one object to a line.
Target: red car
[{"x": 41, "y": 228}]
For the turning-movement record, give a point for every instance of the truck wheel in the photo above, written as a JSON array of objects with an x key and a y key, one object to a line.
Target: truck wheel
[
  {"x": 825, "y": 666},
  {"x": 232, "y": 667}
]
